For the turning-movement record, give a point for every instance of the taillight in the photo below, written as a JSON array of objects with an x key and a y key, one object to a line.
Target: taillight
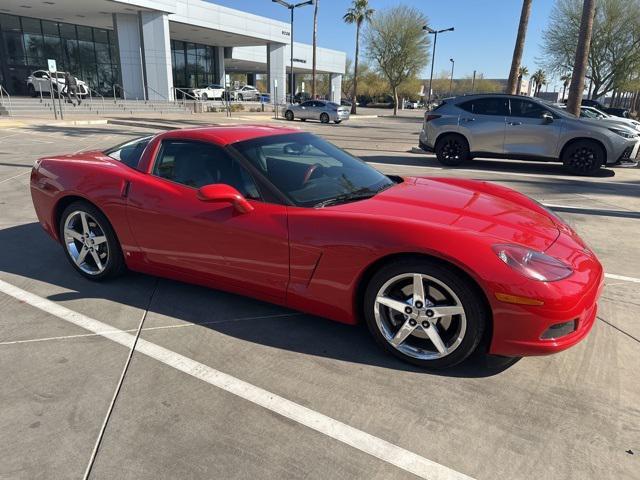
[{"x": 430, "y": 117}]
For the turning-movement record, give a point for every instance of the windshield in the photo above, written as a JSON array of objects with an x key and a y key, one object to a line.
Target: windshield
[
  {"x": 310, "y": 171},
  {"x": 585, "y": 112}
]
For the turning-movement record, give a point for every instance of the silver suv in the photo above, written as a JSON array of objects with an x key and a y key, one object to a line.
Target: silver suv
[{"x": 524, "y": 128}]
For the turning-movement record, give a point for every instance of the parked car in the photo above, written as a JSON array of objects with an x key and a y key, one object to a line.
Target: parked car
[
  {"x": 437, "y": 268},
  {"x": 247, "y": 92},
  {"x": 593, "y": 112},
  {"x": 618, "y": 112},
  {"x": 209, "y": 92},
  {"x": 515, "y": 127},
  {"x": 317, "y": 110},
  {"x": 42, "y": 80},
  {"x": 410, "y": 104}
]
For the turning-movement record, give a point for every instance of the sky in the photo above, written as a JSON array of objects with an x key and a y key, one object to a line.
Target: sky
[{"x": 483, "y": 40}]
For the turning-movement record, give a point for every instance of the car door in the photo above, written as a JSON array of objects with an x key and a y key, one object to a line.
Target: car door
[
  {"x": 210, "y": 242},
  {"x": 483, "y": 123},
  {"x": 318, "y": 108},
  {"x": 532, "y": 129},
  {"x": 306, "y": 109},
  {"x": 41, "y": 82}
]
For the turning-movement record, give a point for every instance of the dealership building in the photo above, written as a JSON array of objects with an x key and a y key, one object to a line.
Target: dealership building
[{"x": 148, "y": 47}]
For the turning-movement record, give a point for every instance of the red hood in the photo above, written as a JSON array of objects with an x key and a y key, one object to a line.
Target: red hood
[{"x": 465, "y": 204}]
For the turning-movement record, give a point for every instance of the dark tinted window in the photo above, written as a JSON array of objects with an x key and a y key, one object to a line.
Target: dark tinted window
[
  {"x": 196, "y": 164},
  {"x": 307, "y": 104},
  {"x": 527, "y": 109},
  {"x": 487, "y": 106},
  {"x": 129, "y": 153}
]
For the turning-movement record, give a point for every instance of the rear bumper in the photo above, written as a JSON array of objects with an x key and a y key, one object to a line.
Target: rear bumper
[{"x": 519, "y": 330}]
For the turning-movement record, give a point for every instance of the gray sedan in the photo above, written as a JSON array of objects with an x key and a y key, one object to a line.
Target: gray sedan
[{"x": 317, "y": 110}]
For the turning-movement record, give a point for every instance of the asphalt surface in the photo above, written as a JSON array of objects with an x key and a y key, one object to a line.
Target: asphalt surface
[{"x": 221, "y": 386}]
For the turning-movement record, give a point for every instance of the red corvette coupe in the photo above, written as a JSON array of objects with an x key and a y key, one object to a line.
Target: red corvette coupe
[{"x": 436, "y": 267}]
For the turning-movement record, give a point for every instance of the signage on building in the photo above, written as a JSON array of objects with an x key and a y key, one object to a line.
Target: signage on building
[
  {"x": 300, "y": 60},
  {"x": 286, "y": 33},
  {"x": 52, "y": 65}
]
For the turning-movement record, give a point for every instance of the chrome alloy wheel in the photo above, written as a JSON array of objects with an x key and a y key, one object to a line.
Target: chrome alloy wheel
[
  {"x": 86, "y": 242},
  {"x": 420, "y": 316}
]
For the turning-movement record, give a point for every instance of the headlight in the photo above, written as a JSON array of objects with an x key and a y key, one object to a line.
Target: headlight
[
  {"x": 532, "y": 264},
  {"x": 623, "y": 133}
]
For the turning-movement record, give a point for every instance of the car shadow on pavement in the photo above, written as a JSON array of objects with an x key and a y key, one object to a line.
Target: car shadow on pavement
[
  {"x": 422, "y": 159},
  {"x": 29, "y": 253}
]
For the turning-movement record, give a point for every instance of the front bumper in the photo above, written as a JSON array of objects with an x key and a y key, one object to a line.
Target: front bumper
[{"x": 519, "y": 330}]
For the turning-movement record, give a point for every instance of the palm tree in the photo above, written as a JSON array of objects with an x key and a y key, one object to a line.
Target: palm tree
[
  {"x": 519, "y": 47},
  {"x": 315, "y": 42},
  {"x": 357, "y": 13},
  {"x": 538, "y": 78},
  {"x": 566, "y": 79},
  {"x": 582, "y": 57},
  {"x": 523, "y": 71}
]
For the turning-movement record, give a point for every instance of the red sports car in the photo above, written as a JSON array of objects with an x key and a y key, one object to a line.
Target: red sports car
[{"x": 436, "y": 267}]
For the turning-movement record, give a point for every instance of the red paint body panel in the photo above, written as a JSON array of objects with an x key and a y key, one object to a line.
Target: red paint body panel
[{"x": 314, "y": 259}]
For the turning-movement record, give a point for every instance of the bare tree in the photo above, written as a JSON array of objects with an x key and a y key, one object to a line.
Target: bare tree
[
  {"x": 512, "y": 85},
  {"x": 315, "y": 46},
  {"x": 582, "y": 57},
  {"x": 358, "y": 13},
  {"x": 398, "y": 45}
]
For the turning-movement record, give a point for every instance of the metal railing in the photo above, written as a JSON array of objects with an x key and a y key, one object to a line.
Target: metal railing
[
  {"x": 91, "y": 90},
  {"x": 124, "y": 93},
  {"x": 4, "y": 94}
]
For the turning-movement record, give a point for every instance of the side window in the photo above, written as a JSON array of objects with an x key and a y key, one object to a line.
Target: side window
[
  {"x": 467, "y": 106},
  {"x": 527, "y": 109},
  {"x": 319, "y": 104},
  {"x": 38, "y": 74},
  {"x": 129, "y": 153},
  {"x": 307, "y": 104},
  {"x": 496, "y": 106},
  {"x": 196, "y": 164}
]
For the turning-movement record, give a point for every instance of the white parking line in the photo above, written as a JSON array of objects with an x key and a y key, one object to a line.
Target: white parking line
[
  {"x": 622, "y": 277},
  {"x": 377, "y": 447},
  {"x": 15, "y": 176}
]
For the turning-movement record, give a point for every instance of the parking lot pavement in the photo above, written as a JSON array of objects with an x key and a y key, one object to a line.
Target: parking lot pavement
[{"x": 366, "y": 415}]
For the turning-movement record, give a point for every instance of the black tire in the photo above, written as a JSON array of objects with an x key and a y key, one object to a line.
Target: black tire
[
  {"x": 337, "y": 121},
  {"x": 452, "y": 149},
  {"x": 324, "y": 117},
  {"x": 475, "y": 311},
  {"x": 115, "y": 264},
  {"x": 288, "y": 115},
  {"x": 32, "y": 90},
  {"x": 583, "y": 157},
  {"x": 240, "y": 98},
  {"x": 205, "y": 97}
]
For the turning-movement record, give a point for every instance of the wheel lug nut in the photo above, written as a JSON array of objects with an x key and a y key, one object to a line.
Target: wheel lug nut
[
  {"x": 429, "y": 313},
  {"x": 412, "y": 323},
  {"x": 425, "y": 324},
  {"x": 408, "y": 310},
  {"x": 418, "y": 304}
]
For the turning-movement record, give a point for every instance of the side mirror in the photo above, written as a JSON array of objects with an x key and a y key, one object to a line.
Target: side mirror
[
  {"x": 223, "y": 193},
  {"x": 547, "y": 117}
]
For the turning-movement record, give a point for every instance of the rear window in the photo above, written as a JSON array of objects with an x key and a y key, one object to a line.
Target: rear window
[
  {"x": 487, "y": 106},
  {"x": 130, "y": 152}
]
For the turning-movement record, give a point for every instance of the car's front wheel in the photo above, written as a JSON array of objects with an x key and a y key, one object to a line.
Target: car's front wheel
[
  {"x": 583, "y": 157},
  {"x": 205, "y": 97},
  {"x": 89, "y": 242},
  {"x": 424, "y": 313},
  {"x": 324, "y": 118},
  {"x": 452, "y": 149},
  {"x": 288, "y": 115}
]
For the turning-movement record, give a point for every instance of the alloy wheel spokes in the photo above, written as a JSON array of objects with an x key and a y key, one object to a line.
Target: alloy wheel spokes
[{"x": 86, "y": 242}]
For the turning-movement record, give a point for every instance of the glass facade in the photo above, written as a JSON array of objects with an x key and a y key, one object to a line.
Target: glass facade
[
  {"x": 194, "y": 65},
  {"x": 91, "y": 54}
]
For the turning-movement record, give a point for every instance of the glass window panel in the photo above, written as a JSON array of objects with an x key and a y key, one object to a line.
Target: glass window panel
[
  {"x": 71, "y": 55},
  {"x": 9, "y": 22},
  {"x": 14, "y": 47},
  {"x": 105, "y": 79},
  {"x": 50, "y": 28},
  {"x": 89, "y": 74},
  {"x": 102, "y": 53},
  {"x": 87, "y": 54},
  {"x": 35, "y": 49},
  {"x": 84, "y": 33},
  {"x": 31, "y": 25},
  {"x": 100, "y": 36},
  {"x": 67, "y": 31},
  {"x": 52, "y": 49}
]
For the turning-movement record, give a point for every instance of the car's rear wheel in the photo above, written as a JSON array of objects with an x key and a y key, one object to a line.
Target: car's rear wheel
[
  {"x": 205, "y": 97},
  {"x": 583, "y": 157},
  {"x": 424, "y": 313},
  {"x": 89, "y": 242},
  {"x": 452, "y": 149},
  {"x": 324, "y": 118},
  {"x": 240, "y": 98},
  {"x": 288, "y": 115}
]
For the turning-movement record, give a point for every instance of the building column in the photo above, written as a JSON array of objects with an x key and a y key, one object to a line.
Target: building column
[
  {"x": 127, "y": 30},
  {"x": 156, "y": 54},
  {"x": 276, "y": 71},
  {"x": 336, "y": 87},
  {"x": 221, "y": 75}
]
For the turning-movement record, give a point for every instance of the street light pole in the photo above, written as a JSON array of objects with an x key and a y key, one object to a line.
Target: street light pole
[
  {"x": 451, "y": 81},
  {"x": 433, "y": 56},
  {"x": 292, "y": 7}
]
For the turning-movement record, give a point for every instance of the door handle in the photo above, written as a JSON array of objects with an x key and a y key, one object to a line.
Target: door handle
[
  {"x": 468, "y": 119},
  {"x": 515, "y": 123}
]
